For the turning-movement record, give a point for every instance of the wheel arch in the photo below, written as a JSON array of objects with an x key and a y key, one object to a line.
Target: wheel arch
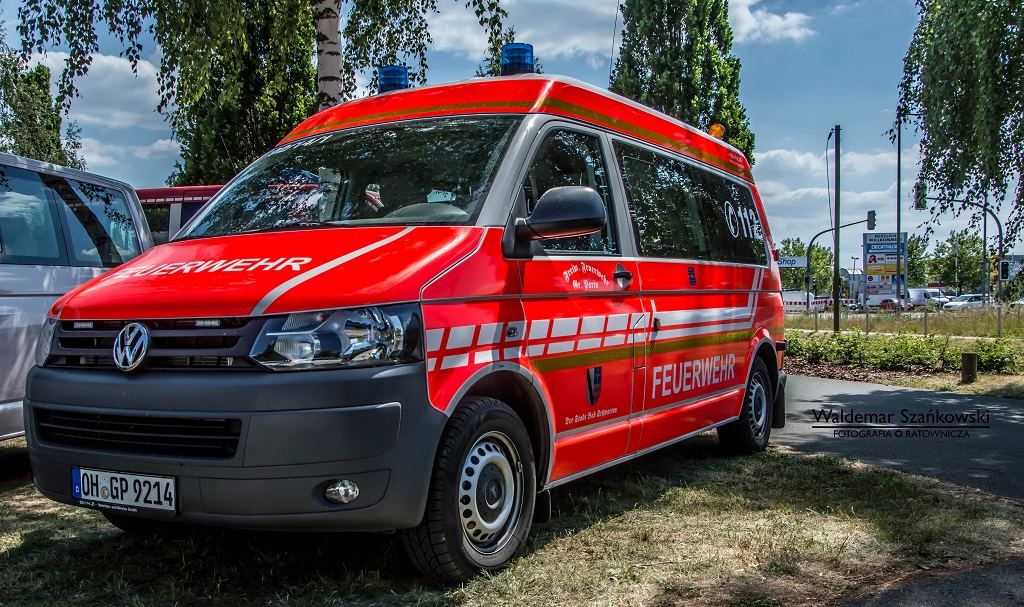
[{"x": 515, "y": 387}]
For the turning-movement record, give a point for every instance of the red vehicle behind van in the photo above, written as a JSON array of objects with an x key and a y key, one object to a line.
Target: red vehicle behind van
[{"x": 420, "y": 312}]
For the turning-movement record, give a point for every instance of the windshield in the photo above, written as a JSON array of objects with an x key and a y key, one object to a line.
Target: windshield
[
  {"x": 426, "y": 172},
  {"x": 963, "y": 298}
]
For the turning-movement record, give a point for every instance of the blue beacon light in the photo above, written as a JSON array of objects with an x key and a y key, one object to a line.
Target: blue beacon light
[
  {"x": 392, "y": 78},
  {"x": 517, "y": 58}
]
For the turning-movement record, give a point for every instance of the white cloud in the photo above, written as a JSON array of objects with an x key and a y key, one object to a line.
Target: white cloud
[
  {"x": 99, "y": 154},
  {"x": 751, "y": 24},
  {"x": 774, "y": 164},
  {"x": 111, "y": 95},
  {"x": 161, "y": 148},
  {"x": 561, "y": 28}
]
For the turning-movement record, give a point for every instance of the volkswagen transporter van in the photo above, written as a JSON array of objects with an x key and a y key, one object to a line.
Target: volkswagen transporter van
[{"x": 419, "y": 312}]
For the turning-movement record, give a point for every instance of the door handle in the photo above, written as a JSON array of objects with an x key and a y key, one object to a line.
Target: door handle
[{"x": 622, "y": 274}]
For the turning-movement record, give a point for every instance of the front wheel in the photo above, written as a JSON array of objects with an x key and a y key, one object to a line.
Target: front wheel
[
  {"x": 751, "y": 431},
  {"x": 481, "y": 496}
]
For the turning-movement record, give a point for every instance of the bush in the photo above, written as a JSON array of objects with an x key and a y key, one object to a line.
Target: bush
[
  {"x": 902, "y": 352},
  {"x": 996, "y": 355}
]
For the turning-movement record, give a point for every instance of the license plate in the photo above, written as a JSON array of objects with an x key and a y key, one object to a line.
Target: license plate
[{"x": 122, "y": 491}]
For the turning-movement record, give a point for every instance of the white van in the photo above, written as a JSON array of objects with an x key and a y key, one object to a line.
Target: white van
[
  {"x": 931, "y": 297},
  {"x": 58, "y": 228}
]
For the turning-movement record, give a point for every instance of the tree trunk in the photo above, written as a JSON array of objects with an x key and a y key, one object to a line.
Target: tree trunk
[{"x": 328, "y": 53}]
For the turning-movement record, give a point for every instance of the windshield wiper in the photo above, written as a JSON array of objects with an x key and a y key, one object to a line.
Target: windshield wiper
[{"x": 290, "y": 225}]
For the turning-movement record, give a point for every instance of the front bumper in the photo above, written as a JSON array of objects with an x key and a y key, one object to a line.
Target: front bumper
[{"x": 296, "y": 433}]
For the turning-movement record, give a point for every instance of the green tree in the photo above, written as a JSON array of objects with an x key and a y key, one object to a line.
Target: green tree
[
  {"x": 917, "y": 261},
  {"x": 964, "y": 76},
  {"x": 820, "y": 262},
  {"x": 30, "y": 121},
  {"x": 957, "y": 261},
  {"x": 676, "y": 57},
  {"x": 222, "y": 133}
]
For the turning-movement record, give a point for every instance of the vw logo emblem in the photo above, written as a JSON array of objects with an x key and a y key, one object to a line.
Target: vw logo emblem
[{"x": 130, "y": 346}]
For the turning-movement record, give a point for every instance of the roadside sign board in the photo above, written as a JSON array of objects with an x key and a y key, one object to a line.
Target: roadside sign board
[
  {"x": 881, "y": 273},
  {"x": 792, "y": 262}
]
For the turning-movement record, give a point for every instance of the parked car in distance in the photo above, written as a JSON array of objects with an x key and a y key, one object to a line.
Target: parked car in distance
[
  {"x": 1017, "y": 303},
  {"x": 931, "y": 297},
  {"x": 58, "y": 228},
  {"x": 894, "y": 304},
  {"x": 968, "y": 301}
]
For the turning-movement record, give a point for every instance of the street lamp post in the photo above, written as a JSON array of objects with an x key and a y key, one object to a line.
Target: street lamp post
[
  {"x": 855, "y": 260},
  {"x": 899, "y": 226},
  {"x": 956, "y": 267}
]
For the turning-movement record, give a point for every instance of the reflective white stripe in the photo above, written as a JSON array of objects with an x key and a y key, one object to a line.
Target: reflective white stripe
[
  {"x": 486, "y": 356},
  {"x": 618, "y": 322},
  {"x": 435, "y": 337},
  {"x": 676, "y": 333},
  {"x": 461, "y": 337},
  {"x": 431, "y": 363},
  {"x": 565, "y": 327},
  {"x": 561, "y": 347},
  {"x": 535, "y": 351},
  {"x": 539, "y": 329},
  {"x": 635, "y": 321},
  {"x": 592, "y": 324},
  {"x": 589, "y": 344},
  {"x": 615, "y": 340},
  {"x": 691, "y": 317},
  {"x": 287, "y": 285},
  {"x": 450, "y": 362},
  {"x": 490, "y": 334},
  {"x": 512, "y": 353}
]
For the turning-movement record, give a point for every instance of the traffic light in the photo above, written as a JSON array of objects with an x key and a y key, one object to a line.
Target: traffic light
[
  {"x": 871, "y": 220},
  {"x": 1004, "y": 270},
  {"x": 920, "y": 196}
]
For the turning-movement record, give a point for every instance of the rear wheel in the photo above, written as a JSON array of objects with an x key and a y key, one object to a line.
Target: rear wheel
[
  {"x": 751, "y": 431},
  {"x": 481, "y": 497}
]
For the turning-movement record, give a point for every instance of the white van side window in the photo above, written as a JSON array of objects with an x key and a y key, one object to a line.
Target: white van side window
[
  {"x": 683, "y": 211},
  {"x": 28, "y": 228},
  {"x": 568, "y": 158},
  {"x": 98, "y": 225}
]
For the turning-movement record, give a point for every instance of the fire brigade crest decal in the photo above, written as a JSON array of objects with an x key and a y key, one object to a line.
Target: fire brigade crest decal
[
  {"x": 130, "y": 346},
  {"x": 593, "y": 385}
]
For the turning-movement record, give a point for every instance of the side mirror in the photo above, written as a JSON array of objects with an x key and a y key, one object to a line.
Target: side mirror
[{"x": 562, "y": 212}]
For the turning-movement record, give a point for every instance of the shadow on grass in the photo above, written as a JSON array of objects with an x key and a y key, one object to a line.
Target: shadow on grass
[{"x": 94, "y": 564}]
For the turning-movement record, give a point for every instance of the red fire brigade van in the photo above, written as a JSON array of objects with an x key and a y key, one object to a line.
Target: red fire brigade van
[{"x": 420, "y": 312}]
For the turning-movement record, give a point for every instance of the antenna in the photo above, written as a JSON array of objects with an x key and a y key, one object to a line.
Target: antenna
[{"x": 611, "y": 54}]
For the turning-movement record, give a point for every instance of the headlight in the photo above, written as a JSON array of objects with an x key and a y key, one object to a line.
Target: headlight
[
  {"x": 360, "y": 337},
  {"x": 45, "y": 341}
]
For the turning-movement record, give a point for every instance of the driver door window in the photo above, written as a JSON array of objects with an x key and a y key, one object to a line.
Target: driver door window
[{"x": 570, "y": 158}]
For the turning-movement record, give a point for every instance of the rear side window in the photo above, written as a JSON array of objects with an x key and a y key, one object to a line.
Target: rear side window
[
  {"x": 683, "y": 211},
  {"x": 158, "y": 216},
  {"x": 98, "y": 225},
  {"x": 29, "y": 233}
]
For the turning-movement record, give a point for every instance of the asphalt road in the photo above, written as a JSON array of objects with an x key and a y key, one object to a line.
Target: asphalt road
[{"x": 989, "y": 458}]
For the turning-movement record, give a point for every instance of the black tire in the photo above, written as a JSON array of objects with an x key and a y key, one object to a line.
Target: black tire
[
  {"x": 750, "y": 433},
  {"x": 481, "y": 496}
]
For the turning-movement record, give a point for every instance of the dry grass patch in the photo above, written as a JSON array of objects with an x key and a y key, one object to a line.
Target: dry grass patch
[{"x": 687, "y": 526}]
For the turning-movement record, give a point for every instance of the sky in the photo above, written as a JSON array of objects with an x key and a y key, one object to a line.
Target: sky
[{"x": 807, "y": 65}]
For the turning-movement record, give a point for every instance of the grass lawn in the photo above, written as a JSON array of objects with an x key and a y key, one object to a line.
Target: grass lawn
[{"x": 685, "y": 526}]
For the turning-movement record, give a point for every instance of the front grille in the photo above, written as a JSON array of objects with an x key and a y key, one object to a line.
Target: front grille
[
  {"x": 181, "y": 344},
  {"x": 208, "y": 438}
]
